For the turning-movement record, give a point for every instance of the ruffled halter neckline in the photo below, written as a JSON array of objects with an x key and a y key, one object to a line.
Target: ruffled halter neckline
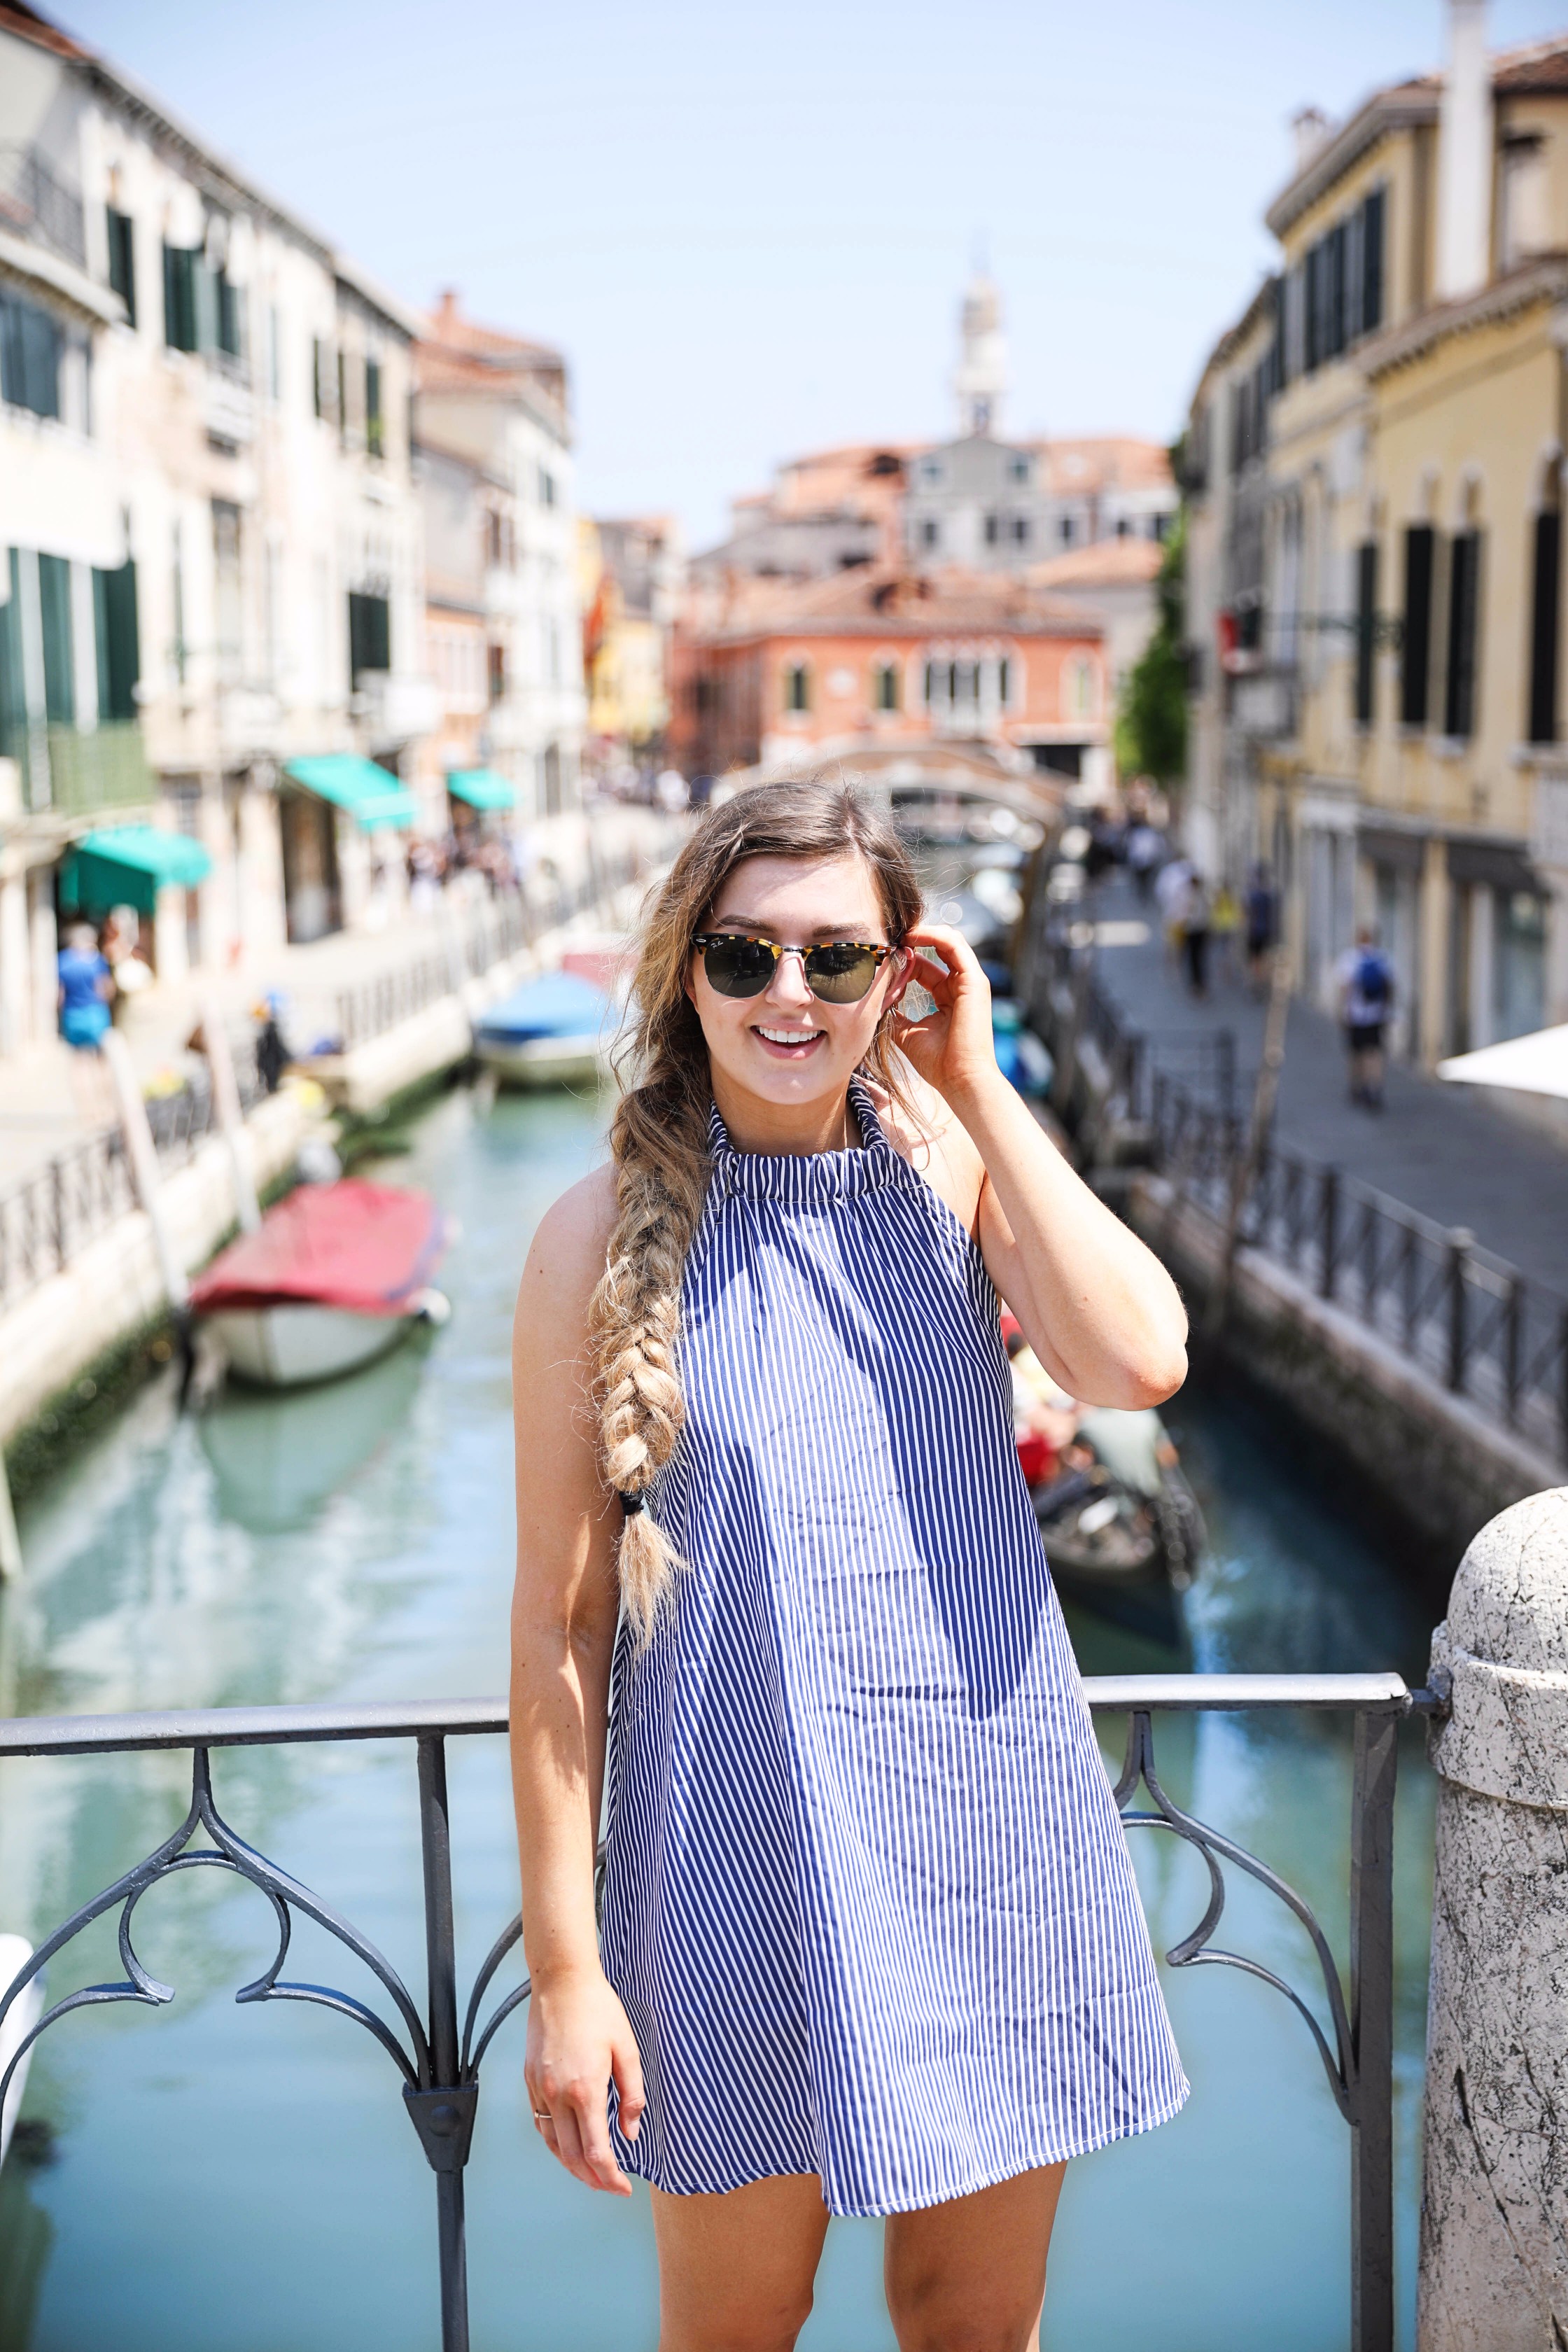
[{"x": 809, "y": 1176}]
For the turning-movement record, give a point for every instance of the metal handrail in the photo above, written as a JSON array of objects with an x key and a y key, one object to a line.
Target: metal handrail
[{"x": 439, "y": 2063}]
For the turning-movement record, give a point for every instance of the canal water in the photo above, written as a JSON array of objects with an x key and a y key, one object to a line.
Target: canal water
[{"x": 212, "y": 2178}]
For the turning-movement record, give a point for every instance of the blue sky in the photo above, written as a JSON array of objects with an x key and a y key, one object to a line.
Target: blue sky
[{"x": 748, "y": 227}]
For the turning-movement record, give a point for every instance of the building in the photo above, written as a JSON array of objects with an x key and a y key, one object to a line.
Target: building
[
  {"x": 492, "y": 425},
  {"x": 211, "y": 543},
  {"x": 629, "y": 578},
  {"x": 1375, "y": 463},
  {"x": 825, "y": 514},
  {"x": 786, "y": 673}
]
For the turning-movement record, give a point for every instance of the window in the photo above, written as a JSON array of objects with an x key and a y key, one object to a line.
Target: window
[
  {"x": 1019, "y": 469},
  {"x": 374, "y": 425},
  {"x": 1546, "y": 609},
  {"x": 1415, "y": 659},
  {"x": 322, "y": 377},
  {"x": 930, "y": 534},
  {"x": 182, "y": 332},
  {"x": 30, "y": 348},
  {"x": 343, "y": 410},
  {"x": 1065, "y": 530},
  {"x": 1004, "y": 680},
  {"x": 1077, "y": 688},
  {"x": 546, "y": 486},
  {"x": 1123, "y": 527},
  {"x": 369, "y": 634},
  {"x": 274, "y": 353},
  {"x": 1373, "y": 212},
  {"x": 1525, "y": 209},
  {"x": 1020, "y": 530},
  {"x": 1366, "y": 631},
  {"x": 229, "y": 596},
  {"x": 59, "y": 654},
  {"x": 122, "y": 260},
  {"x": 495, "y": 673},
  {"x": 1160, "y": 527},
  {"x": 228, "y": 322},
  {"x": 930, "y": 469},
  {"x": 796, "y": 687},
  {"x": 1464, "y": 629},
  {"x": 885, "y": 686},
  {"x": 992, "y": 530},
  {"x": 119, "y": 643}
]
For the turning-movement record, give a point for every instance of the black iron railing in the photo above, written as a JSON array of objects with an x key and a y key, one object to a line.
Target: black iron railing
[
  {"x": 1463, "y": 1314},
  {"x": 37, "y": 205},
  {"x": 437, "y": 2047}
]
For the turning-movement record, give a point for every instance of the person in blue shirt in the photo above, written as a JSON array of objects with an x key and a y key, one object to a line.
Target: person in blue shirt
[
  {"x": 1366, "y": 1003},
  {"x": 86, "y": 986}
]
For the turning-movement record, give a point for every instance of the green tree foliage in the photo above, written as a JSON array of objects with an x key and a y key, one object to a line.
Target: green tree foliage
[{"x": 1152, "y": 723}]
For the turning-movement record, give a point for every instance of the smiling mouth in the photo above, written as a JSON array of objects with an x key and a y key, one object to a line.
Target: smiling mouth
[{"x": 788, "y": 1040}]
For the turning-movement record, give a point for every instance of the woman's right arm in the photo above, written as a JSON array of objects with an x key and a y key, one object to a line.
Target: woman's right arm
[{"x": 564, "y": 1611}]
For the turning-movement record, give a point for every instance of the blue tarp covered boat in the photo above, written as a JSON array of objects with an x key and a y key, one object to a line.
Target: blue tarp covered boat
[{"x": 549, "y": 1031}]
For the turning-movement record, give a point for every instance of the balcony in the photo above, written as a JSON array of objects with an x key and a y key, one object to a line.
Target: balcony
[
  {"x": 75, "y": 773},
  {"x": 34, "y": 204}
]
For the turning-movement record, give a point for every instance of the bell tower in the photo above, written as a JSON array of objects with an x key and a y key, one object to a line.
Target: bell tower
[{"x": 980, "y": 379}]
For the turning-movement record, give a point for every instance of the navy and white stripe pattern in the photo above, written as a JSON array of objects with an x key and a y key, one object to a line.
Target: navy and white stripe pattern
[{"x": 867, "y": 1902}]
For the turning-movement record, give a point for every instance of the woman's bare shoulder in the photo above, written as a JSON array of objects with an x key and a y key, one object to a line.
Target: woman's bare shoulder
[{"x": 567, "y": 1255}]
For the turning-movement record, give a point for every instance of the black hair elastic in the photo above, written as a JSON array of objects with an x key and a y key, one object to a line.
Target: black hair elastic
[{"x": 634, "y": 1503}]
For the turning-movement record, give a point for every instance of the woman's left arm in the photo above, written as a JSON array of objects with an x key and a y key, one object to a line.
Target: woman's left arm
[{"x": 1097, "y": 1307}]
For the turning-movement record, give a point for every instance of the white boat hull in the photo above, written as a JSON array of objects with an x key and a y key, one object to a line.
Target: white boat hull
[
  {"x": 289, "y": 1346},
  {"x": 543, "y": 1061}
]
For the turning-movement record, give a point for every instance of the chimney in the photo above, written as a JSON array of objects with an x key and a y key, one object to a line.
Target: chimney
[
  {"x": 1465, "y": 156},
  {"x": 1310, "y": 129}
]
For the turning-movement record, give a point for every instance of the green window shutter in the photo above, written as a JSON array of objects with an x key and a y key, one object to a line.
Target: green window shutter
[
  {"x": 227, "y": 320},
  {"x": 369, "y": 634},
  {"x": 30, "y": 348},
  {"x": 374, "y": 425},
  {"x": 182, "y": 271},
  {"x": 54, "y": 607},
  {"x": 12, "y": 692},
  {"x": 119, "y": 642},
  {"x": 122, "y": 261}
]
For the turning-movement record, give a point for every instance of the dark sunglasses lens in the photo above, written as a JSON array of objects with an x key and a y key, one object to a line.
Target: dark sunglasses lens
[
  {"x": 738, "y": 967},
  {"x": 840, "y": 974}
]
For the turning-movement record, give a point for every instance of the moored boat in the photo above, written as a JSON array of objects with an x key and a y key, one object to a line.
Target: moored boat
[
  {"x": 547, "y": 1033},
  {"x": 336, "y": 1275}
]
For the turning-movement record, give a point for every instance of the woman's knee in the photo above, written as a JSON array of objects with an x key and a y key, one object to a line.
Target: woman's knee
[
  {"x": 769, "y": 2322},
  {"x": 936, "y": 2315}
]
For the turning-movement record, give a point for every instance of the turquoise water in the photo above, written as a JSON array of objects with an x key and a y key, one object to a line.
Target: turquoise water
[{"x": 234, "y": 2179}]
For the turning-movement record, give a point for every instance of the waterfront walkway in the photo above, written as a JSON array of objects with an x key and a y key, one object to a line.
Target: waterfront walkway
[{"x": 1445, "y": 1150}]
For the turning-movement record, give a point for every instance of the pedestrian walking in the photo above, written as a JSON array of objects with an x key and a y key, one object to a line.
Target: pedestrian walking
[
  {"x": 85, "y": 986},
  {"x": 870, "y": 1940},
  {"x": 1170, "y": 890},
  {"x": 1262, "y": 910},
  {"x": 1224, "y": 923},
  {"x": 1366, "y": 1001},
  {"x": 1143, "y": 851},
  {"x": 1194, "y": 921}
]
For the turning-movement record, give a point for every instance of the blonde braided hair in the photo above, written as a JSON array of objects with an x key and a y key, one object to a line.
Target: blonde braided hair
[{"x": 659, "y": 1137}]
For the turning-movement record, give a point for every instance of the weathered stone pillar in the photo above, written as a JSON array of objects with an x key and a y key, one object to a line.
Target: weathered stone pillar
[{"x": 1494, "y": 2207}]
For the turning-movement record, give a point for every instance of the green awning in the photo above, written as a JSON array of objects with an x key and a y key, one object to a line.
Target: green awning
[
  {"x": 127, "y": 866},
  {"x": 483, "y": 787},
  {"x": 368, "y": 794}
]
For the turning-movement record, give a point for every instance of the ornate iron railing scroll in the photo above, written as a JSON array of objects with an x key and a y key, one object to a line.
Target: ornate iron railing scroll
[{"x": 438, "y": 2064}]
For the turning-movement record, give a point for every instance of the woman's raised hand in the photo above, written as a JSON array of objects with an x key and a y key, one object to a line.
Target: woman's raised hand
[
  {"x": 579, "y": 2039},
  {"x": 953, "y": 1048}
]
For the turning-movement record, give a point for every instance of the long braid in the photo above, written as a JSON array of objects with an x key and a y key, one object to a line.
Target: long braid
[{"x": 659, "y": 1141}]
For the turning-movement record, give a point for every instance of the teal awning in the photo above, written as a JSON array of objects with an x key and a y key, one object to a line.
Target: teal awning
[
  {"x": 483, "y": 787},
  {"x": 127, "y": 866},
  {"x": 368, "y": 794}
]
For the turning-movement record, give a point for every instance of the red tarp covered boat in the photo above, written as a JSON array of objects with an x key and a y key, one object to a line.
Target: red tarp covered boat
[{"x": 334, "y": 1276}]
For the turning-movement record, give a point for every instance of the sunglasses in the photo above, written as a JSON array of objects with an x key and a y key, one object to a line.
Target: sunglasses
[{"x": 840, "y": 971}]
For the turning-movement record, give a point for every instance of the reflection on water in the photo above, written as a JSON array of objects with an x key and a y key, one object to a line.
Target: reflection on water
[{"x": 233, "y": 2179}]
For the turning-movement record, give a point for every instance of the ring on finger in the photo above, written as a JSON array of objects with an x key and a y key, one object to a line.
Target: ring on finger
[{"x": 543, "y": 2116}]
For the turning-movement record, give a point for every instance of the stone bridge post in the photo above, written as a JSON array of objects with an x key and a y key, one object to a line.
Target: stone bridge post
[{"x": 1494, "y": 2206}]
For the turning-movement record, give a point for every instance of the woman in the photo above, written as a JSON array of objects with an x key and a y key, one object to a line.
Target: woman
[{"x": 870, "y": 1940}]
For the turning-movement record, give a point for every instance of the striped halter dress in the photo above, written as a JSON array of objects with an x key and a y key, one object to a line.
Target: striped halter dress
[{"x": 867, "y": 1900}]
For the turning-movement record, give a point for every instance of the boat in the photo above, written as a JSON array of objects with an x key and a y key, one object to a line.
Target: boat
[
  {"x": 1121, "y": 1526},
  {"x": 336, "y": 1275},
  {"x": 549, "y": 1032}
]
